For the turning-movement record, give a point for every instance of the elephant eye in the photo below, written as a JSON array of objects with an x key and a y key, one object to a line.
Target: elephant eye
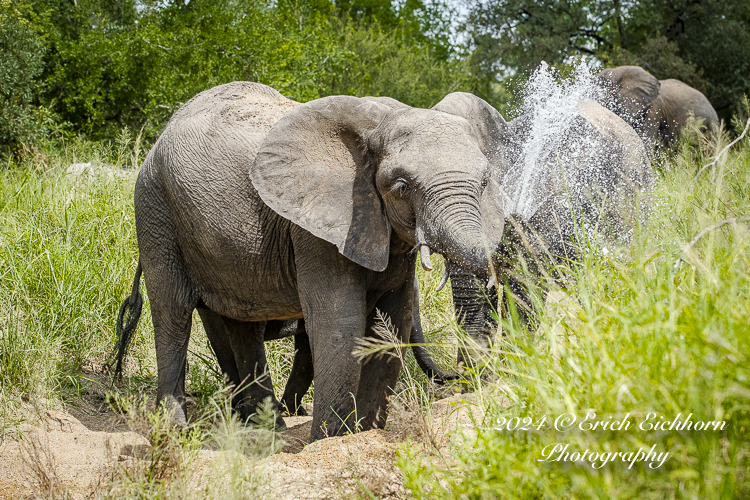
[
  {"x": 400, "y": 187},
  {"x": 484, "y": 183}
]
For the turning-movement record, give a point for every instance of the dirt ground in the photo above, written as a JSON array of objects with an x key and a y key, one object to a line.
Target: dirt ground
[{"x": 76, "y": 450}]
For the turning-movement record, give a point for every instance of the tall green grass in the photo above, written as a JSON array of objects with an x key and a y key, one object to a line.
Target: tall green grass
[
  {"x": 631, "y": 337},
  {"x": 66, "y": 256}
]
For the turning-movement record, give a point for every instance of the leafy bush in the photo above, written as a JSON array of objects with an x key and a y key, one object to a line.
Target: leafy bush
[
  {"x": 109, "y": 68},
  {"x": 21, "y": 65}
]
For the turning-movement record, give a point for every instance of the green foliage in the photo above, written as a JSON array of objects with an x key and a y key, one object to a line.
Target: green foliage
[
  {"x": 67, "y": 253},
  {"x": 660, "y": 57},
  {"x": 111, "y": 65},
  {"x": 382, "y": 65},
  {"x": 130, "y": 75},
  {"x": 630, "y": 336},
  {"x": 705, "y": 44},
  {"x": 21, "y": 121},
  {"x": 518, "y": 34}
]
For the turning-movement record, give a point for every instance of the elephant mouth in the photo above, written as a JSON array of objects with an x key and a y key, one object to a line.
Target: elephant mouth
[{"x": 491, "y": 282}]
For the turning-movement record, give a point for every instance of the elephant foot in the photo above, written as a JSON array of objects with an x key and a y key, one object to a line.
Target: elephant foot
[
  {"x": 266, "y": 415},
  {"x": 176, "y": 411}
]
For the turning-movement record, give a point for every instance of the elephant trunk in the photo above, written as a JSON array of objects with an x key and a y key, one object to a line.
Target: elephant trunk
[{"x": 454, "y": 227}]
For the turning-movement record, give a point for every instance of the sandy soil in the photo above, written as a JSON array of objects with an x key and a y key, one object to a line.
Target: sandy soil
[{"x": 77, "y": 451}]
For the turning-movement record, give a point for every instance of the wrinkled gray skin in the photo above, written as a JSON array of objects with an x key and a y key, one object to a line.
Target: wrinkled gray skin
[
  {"x": 302, "y": 373},
  {"x": 600, "y": 170},
  {"x": 657, "y": 109},
  {"x": 253, "y": 208}
]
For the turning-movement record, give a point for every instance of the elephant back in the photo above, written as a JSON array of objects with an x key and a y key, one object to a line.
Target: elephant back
[
  {"x": 591, "y": 181},
  {"x": 676, "y": 103},
  {"x": 247, "y": 107},
  {"x": 199, "y": 169}
]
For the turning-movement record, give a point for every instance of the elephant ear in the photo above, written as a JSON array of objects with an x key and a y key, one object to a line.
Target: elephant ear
[
  {"x": 634, "y": 83},
  {"x": 313, "y": 169},
  {"x": 486, "y": 120}
]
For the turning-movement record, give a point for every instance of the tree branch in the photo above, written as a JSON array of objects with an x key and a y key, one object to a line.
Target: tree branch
[{"x": 620, "y": 29}]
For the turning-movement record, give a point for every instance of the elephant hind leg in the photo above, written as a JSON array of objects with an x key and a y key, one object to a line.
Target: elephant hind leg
[
  {"x": 246, "y": 339},
  {"x": 170, "y": 291},
  {"x": 380, "y": 373},
  {"x": 171, "y": 312},
  {"x": 302, "y": 373},
  {"x": 218, "y": 337}
]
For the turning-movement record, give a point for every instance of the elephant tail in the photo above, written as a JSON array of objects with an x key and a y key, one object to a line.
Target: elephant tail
[
  {"x": 127, "y": 321},
  {"x": 423, "y": 357}
]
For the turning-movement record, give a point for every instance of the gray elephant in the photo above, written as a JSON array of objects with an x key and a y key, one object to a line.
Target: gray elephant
[
  {"x": 302, "y": 373},
  {"x": 592, "y": 183},
  {"x": 253, "y": 209},
  {"x": 657, "y": 109}
]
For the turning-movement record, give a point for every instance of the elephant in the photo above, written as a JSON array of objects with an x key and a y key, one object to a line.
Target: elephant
[
  {"x": 301, "y": 375},
  {"x": 594, "y": 183},
  {"x": 255, "y": 209},
  {"x": 657, "y": 109}
]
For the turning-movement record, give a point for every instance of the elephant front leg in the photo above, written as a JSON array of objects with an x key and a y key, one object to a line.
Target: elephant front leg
[
  {"x": 334, "y": 337},
  {"x": 473, "y": 306},
  {"x": 333, "y": 298}
]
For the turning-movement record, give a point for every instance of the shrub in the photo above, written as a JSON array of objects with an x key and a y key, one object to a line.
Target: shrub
[{"x": 21, "y": 65}]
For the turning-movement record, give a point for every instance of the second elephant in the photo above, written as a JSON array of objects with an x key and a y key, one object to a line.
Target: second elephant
[
  {"x": 594, "y": 184},
  {"x": 657, "y": 109}
]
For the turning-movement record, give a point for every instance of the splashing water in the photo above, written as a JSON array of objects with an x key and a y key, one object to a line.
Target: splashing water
[{"x": 550, "y": 108}]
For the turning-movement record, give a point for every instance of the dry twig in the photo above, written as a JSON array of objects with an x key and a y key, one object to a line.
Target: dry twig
[
  {"x": 733, "y": 220},
  {"x": 718, "y": 156}
]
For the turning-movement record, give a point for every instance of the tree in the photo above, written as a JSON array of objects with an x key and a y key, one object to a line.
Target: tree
[
  {"x": 111, "y": 64},
  {"x": 21, "y": 119},
  {"x": 705, "y": 43}
]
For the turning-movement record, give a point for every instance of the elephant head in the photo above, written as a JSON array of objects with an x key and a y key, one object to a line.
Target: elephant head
[
  {"x": 633, "y": 92},
  {"x": 363, "y": 173},
  {"x": 657, "y": 109}
]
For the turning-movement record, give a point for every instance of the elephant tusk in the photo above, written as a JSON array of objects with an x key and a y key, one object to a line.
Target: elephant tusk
[
  {"x": 424, "y": 254},
  {"x": 491, "y": 282},
  {"x": 443, "y": 281}
]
